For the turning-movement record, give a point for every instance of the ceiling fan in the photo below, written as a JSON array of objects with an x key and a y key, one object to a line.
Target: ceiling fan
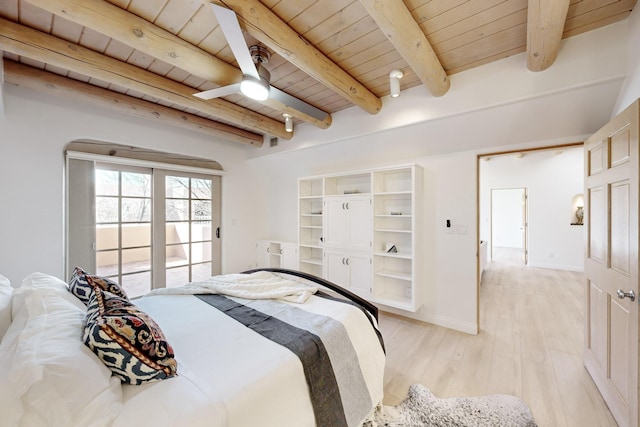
[{"x": 255, "y": 77}]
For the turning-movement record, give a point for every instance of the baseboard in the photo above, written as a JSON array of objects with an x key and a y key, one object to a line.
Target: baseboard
[
  {"x": 469, "y": 328},
  {"x": 445, "y": 322},
  {"x": 557, "y": 267}
]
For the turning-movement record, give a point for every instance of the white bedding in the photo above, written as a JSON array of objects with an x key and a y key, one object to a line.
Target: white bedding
[
  {"x": 238, "y": 378},
  {"x": 228, "y": 375}
]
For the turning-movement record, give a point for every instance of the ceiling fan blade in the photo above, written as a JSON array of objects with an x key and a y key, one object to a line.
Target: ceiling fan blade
[
  {"x": 231, "y": 28},
  {"x": 219, "y": 92},
  {"x": 297, "y": 104}
]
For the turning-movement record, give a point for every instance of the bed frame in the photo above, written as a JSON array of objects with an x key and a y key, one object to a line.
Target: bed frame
[{"x": 325, "y": 283}]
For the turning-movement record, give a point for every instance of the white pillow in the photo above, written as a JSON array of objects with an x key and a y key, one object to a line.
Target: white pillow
[
  {"x": 5, "y": 305},
  {"x": 57, "y": 379}
]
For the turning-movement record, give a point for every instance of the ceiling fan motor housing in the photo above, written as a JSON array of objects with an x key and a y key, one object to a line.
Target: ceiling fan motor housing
[{"x": 260, "y": 54}]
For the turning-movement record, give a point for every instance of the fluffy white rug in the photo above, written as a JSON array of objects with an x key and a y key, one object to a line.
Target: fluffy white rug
[{"x": 422, "y": 408}]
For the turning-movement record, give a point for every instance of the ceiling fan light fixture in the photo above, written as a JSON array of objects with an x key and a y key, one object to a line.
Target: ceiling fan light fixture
[
  {"x": 394, "y": 82},
  {"x": 254, "y": 88}
]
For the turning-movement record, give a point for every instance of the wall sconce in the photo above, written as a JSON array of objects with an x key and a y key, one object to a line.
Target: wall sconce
[
  {"x": 288, "y": 122},
  {"x": 394, "y": 82}
]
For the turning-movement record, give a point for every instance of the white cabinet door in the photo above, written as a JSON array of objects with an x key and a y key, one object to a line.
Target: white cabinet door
[
  {"x": 360, "y": 274},
  {"x": 335, "y": 268},
  {"x": 360, "y": 223},
  {"x": 351, "y": 270},
  {"x": 262, "y": 254},
  {"x": 348, "y": 222},
  {"x": 336, "y": 222},
  {"x": 290, "y": 256}
]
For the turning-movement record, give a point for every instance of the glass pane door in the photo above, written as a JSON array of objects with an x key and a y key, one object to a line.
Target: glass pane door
[
  {"x": 123, "y": 227},
  {"x": 188, "y": 229}
]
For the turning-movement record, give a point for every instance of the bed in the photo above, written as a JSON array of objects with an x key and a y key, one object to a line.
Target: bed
[{"x": 235, "y": 361}]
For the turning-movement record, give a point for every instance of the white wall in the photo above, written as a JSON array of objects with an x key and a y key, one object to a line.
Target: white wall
[
  {"x": 631, "y": 87},
  {"x": 33, "y": 133},
  {"x": 449, "y": 193},
  {"x": 553, "y": 179}
]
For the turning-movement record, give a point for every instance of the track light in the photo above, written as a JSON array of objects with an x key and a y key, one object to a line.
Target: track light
[
  {"x": 394, "y": 82},
  {"x": 288, "y": 122}
]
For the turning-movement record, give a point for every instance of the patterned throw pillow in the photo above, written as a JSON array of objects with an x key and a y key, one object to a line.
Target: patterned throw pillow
[
  {"x": 80, "y": 287},
  {"x": 127, "y": 340}
]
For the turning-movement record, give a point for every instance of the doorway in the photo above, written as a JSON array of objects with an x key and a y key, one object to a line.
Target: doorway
[{"x": 509, "y": 225}]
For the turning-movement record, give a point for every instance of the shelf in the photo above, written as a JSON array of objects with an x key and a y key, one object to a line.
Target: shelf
[
  {"x": 383, "y": 230},
  {"x": 318, "y": 215},
  {"x": 394, "y": 274},
  {"x": 393, "y": 216},
  {"x": 393, "y": 193},
  {"x": 310, "y": 245},
  {"x": 394, "y": 255},
  {"x": 311, "y": 226},
  {"x": 396, "y": 302},
  {"x": 311, "y": 261}
]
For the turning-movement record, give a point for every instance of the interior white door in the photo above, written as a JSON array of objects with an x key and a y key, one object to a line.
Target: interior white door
[{"x": 611, "y": 264}]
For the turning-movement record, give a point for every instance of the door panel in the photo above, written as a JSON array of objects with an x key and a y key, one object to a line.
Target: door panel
[
  {"x": 360, "y": 223},
  {"x": 597, "y": 322},
  {"x": 611, "y": 264},
  {"x": 620, "y": 228},
  {"x": 597, "y": 224},
  {"x": 619, "y": 344},
  {"x": 336, "y": 222},
  {"x": 360, "y": 274}
]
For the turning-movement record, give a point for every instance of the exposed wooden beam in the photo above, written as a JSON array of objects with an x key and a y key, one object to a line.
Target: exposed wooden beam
[
  {"x": 545, "y": 25},
  {"x": 24, "y": 41},
  {"x": 119, "y": 24},
  {"x": 260, "y": 22},
  {"x": 404, "y": 33},
  {"x": 54, "y": 84}
]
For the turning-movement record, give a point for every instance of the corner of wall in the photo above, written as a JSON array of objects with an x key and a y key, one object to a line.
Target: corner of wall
[
  {"x": 1, "y": 84},
  {"x": 631, "y": 87}
]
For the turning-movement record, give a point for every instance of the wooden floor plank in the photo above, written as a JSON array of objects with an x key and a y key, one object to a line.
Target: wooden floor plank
[{"x": 529, "y": 345}]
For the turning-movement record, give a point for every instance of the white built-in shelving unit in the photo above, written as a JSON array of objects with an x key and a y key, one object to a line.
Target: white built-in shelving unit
[{"x": 359, "y": 230}]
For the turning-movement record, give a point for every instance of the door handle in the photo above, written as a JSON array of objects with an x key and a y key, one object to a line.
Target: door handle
[
  {"x": 622, "y": 294},
  {"x": 218, "y": 232},
  {"x": 347, "y": 261}
]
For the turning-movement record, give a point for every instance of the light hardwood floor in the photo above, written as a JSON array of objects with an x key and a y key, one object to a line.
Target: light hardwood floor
[{"x": 529, "y": 345}]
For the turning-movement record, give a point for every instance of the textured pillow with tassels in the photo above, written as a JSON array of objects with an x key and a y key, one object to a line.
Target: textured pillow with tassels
[
  {"x": 127, "y": 340},
  {"x": 80, "y": 286}
]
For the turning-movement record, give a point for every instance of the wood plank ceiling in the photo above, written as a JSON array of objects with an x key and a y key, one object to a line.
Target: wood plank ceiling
[{"x": 148, "y": 57}]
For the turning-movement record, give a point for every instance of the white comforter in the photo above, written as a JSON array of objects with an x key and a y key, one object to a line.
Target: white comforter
[
  {"x": 258, "y": 285},
  {"x": 235, "y": 377}
]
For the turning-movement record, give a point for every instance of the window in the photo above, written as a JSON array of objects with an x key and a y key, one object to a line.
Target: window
[{"x": 144, "y": 227}]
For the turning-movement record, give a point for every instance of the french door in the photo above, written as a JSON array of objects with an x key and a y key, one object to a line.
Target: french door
[{"x": 143, "y": 227}]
